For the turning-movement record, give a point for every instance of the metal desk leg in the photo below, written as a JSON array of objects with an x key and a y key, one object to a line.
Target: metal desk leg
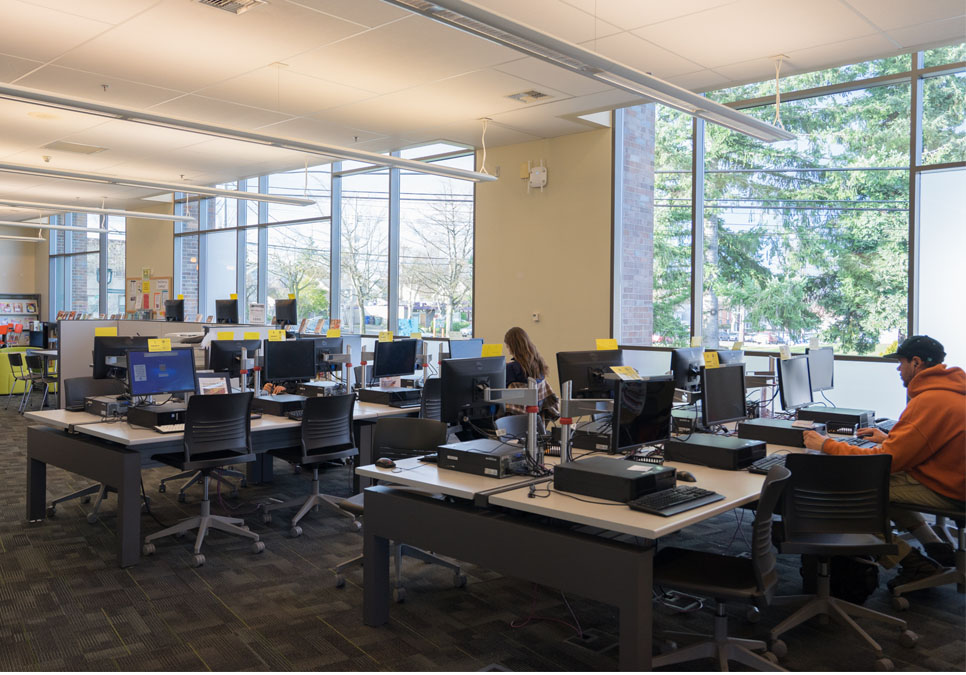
[
  {"x": 129, "y": 511},
  {"x": 375, "y": 580},
  {"x": 364, "y": 437},
  {"x": 636, "y": 619},
  {"x": 36, "y": 490}
]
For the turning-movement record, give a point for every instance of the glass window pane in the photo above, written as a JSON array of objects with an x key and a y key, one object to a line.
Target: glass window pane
[
  {"x": 223, "y": 212},
  {"x": 948, "y": 54},
  {"x": 251, "y": 267},
  {"x": 115, "y": 264},
  {"x": 80, "y": 282},
  {"x": 186, "y": 258},
  {"x": 313, "y": 183},
  {"x": 944, "y": 119},
  {"x": 185, "y": 206},
  {"x": 795, "y": 250},
  {"x": 365, "y": 252},
  {"x": 219, "y": 256},
  {"x": 436, "y": 254},
  {"x": 298, "y": 264}
]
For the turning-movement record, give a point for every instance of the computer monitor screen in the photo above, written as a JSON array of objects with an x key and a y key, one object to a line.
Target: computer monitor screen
[
  {"x": 289, "y": 360},
  {"x": 109, "y": 353},
  {"x": 395, "y": 358},
  {"x": 686, "y": 365},
  {"x": 466, "y": 349},
  {"x": 226, "y": 311},
  {"x": 587, "y": 369},
  {"x": 151, "y": 373},
  {"x": 174, "y": 310},
  {"x": 726, "y": 356},
  {"x": 793, "y": 382},
  {"x": 462, "y": 384},
  {"x": 324, "y": 347},
  {"x": 642, "y": 412},
  {"x": 821, "y": 368},
  {"x": 723, "y": 394},
  {"x": 286, "y": 312},
  {"x": 225, "y": 355}
]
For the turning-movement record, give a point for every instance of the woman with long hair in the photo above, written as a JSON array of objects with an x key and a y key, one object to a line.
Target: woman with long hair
[{"x": 528, "y": 363}]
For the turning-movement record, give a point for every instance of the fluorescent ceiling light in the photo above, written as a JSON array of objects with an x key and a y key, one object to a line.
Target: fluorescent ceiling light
[
  {"x": 34, "y": 96},
  {"x": 13, "y": 237},
  {"x": 90, "y": 209},
  {"x": 502, "y": 30},
  {"x": 46, "y": 226},
  {"x": 158, "y": 185}
]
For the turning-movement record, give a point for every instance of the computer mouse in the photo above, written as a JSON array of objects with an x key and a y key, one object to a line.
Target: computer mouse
[
  {"x": 385, "y": 463},
  {"x": 686, "y": 476}
]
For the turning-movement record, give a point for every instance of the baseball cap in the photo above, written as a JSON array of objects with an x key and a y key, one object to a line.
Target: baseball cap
[{"x": 923, "y": 346}]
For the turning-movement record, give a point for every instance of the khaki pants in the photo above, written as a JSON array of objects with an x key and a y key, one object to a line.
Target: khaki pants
[{"x": 906, "y": 489}]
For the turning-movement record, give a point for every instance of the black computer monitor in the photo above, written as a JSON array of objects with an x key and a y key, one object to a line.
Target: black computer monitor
[
  {"x": 226, "y": 311},
  {"x": 793, "y": 382},
  {"x": 723, "y": 394},
  {"x": 726, "y": 356},
  {"x": 324, "y": 347},
  {"x": 466, "y": 349},
  {"x": 686, "y": 365},
  {"x": 152, "y": 373},
  {"x": 174, "y": 310},
  {"x": 587, "y": 370},
  {"x": 642, "y": 412},
  {"x": 106, "y": 347},
  {"x": 394, "y": 358},
  {"x": 289, "y": 361},
  {"x": 286, "y": 312},
  {"x": 225, "y": 355},
  {"x": 821, "y": 368},
  {"x": 462, "y": 383}
]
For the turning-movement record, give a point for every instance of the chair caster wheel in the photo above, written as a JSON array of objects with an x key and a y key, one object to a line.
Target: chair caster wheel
[
  {"x": 908, "y": 639},
  {"x": 197, "y": 560},
  {"x": 459, "y": 580},
  {"x": 51, "y": 511},
  {"x": 92, "y": 518},
  {"x": 245, "y": 527},
  {"x": 399, "y": 595},
  {"x": 86, "y": 500},
  {"x": 162, "y": 488},
  {"x": 295, "y": 532},
  {"x": 147, "y": 549},
  {"x": 753, "y": 615},
  {"x": 771, "y": 657},
  {"x": 339, "y": 581},
  {"x": 258, "y": 547},
  {"x": 778, "y": 648},
  {"x": 267, "y": 518},
  {"x": 900, "y": 604},
  {"x": 182, "y": 497},
  {"x": 357, "y": 524},
  {"x": 885, "y": 665}
]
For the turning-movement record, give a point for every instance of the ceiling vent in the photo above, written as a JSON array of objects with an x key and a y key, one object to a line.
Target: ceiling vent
[
  {"x": 233, "y": 6},
  {"x": 528, "y": 96},
  {"x": 80, "y": 148}
]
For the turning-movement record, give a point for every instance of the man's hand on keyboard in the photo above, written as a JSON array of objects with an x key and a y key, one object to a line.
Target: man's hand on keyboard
[
  {"x": 872, "y": 434},
  {"x": 813, "y": 440},
  {"x": 273, "y": 389}
]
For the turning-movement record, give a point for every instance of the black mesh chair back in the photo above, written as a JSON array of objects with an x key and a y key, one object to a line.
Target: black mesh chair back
[
  {"x": 218, "y": 425},
  {"x": 763, "y": 556},
  {"x": 834, "y": 494},
  {"x": 431, "y": 403},
  {"x": 76, "y": 389},
  {"x": 327, "y": 425},
  {"x": 15, "y": 359},
  {"x": 35, "y": 365},
  {"x": 397, "y": 437}
]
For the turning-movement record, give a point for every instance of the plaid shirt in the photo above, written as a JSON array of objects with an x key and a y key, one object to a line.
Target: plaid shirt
[{"x": 546, "y": 399}]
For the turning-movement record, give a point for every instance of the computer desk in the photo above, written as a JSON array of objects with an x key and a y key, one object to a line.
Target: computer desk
[
  {"x": 491, "y": 522},
  {"x": 113, "y": 453}
]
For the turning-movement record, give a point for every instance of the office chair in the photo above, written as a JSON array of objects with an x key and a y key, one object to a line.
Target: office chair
[
  {"x": 431, "y": 401},
  {"x": 38, "y": 375},
  {"x": 725, "y": 577},
  {"x": 953, "y": 575},
  {"x": 18, "y": 373},
  {"x": 398, "y": 438},
  {"x": 326, "y": 437},
  {"x": 217, "y": 432},
  {"x": 836, "y": 505}
]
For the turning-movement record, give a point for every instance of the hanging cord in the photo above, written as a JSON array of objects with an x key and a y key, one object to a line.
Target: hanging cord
[
  {"x": 778, "y": 93},
  {"x": 486, "y": 121}
]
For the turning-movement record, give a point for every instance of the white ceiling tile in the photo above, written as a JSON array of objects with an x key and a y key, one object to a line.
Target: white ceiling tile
[
  {"x": 553, "y": 17},
  {"x": 79, "y": 84},
  {"x": 889, "y": 14},
  {"x": 930, "y": 34},
  {"x": 543, "y": 73},
  {"x": 702, "y": 80},
  {"x": 135, "y": 139},
  {"x": 322, "y": 131},
  {"x": 12, "y": 67},
  {"x": 31, "y": 123},
  {"x": 369, "y": 13},
  {"x": 107, "y": 11},
  {"x": 629, "y": 14},
  {"x": 223, "y": 113},
  {"x": 631, "y": 50},
  {"x": 34, "y": 32}
]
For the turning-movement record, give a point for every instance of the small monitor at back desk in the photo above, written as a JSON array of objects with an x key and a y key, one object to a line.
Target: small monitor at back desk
[
  {"x": 395, "y": 359},
  {"x": 286, "y": 312},
  {"x": 226, "y": 311},
  {"x": 722, "y": 394},
  {"x": 642, "y": 412},
  {"x": 289, "y": 361},
  {"x": 110, "y": 354},
  {"x": 224, "y": 356},
  {"x": 821, "y": 368},
  {"x": 587, "y": 370},
  {"x": 686, "y": 365},
  {"x": 729, "y": 356},
  {"x": 793, "y": 383},
  {"x": 466, "y": 349},
  {"x": 174, "y": 310}
]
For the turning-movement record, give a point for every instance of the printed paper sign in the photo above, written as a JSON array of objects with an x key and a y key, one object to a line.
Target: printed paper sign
[
  {"x": 784, "y": 352},
  {"x": 252, "y": 335},
  {"x": 492, "y": 350},
  {"x": 606, "y": 344},
  {"x": 416, "y": 336},
  {"x": 385, "y": 336},
  {"x": 225, "y": 335},
  {"x": 711, "y": 360},
  {"x": 276, "y": 336},
  {"x": 737, "y": 345},
  {"x": 145, "y": 286},
  {"x": 696, "y": 340},
  {"x": 159, "y": 345},
  {"x": 105, "y": 331},
  {"x": 333, "y": 332},
  {"x": 626, "y": 372},
  {"x": 233, "y": 296}
]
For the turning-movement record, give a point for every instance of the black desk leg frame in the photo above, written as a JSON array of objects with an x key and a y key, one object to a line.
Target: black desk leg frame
[{"x": 612, "y": 572}]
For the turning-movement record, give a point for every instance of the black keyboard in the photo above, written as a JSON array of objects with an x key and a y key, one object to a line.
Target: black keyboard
[
  {"x": 295, "y": 414},
  {"x": 765, "y": 464},
  {"x": 674, "y": 500},
  {"x": 405, "y": 404},
  {"x": 885, "y": 425},
  {"x": 860, "y": 442}
]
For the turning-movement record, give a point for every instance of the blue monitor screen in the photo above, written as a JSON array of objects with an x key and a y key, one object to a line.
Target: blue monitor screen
[
  {"x": 152, "y": 373},
  {"x": 466, "y": 349}
]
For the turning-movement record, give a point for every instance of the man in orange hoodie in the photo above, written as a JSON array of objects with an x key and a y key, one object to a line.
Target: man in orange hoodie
[{"x": 928, "y": 448}]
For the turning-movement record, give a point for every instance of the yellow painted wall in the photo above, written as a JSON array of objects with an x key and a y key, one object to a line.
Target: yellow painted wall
[
  {"x": 549, "y": 251},
  {"x": 150, "y": 243}
]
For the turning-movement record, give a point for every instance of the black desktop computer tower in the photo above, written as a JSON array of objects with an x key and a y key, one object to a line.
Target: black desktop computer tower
[
  {"x": 839, "y": 420},
  {"x": 719, "y": 452},
  {"x": 611, "y": 478},
  {"x": 156, "y": 415},
  {"x": 389, "y": 395},
  {"x": 777, "y": 432},
  {"x": 279, "y": 405}
]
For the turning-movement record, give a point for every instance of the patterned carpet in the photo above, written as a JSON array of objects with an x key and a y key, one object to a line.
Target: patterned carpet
[{"x": 65, "y": 605}]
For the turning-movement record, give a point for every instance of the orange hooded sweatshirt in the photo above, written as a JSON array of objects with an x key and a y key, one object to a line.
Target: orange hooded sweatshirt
[{"x": 929, "y": 440}]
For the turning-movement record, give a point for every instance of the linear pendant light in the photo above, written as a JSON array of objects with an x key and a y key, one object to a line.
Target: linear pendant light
[
  {"x": 69, "y": 208},
  {"x": 45, "y": 226},
  {"x": 13, "y": 237},
  {"x": 502, "y": 30},
  {"x": 25, "y": 95},
  {"x": 159, "y": 185}
]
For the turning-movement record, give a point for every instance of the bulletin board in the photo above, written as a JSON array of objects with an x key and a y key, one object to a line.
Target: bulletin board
[{"x": 140, "y": 294}]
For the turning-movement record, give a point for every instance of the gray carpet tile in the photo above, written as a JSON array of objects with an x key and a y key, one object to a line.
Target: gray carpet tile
[{"x": 65, "y": 605}]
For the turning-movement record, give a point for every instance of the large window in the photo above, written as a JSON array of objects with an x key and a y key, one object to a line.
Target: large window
[
  {"x": 365, "y": 250},
  {"x": 87, "y": 267}
]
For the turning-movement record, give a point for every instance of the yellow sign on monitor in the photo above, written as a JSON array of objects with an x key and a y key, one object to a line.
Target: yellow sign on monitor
[
  {"x": 385, "y": 336},
  {"x": 492, "y": 350},
  {"x": 711, "y": 360},
  {"x": 105, "y": 331},
  {"x": 606, "y": 344},
  {"x": 276, "y": 336},
  {"x": 180, "y": 296},
  {"x": 626, "y": 372},
  {"x": 696, "y": 340},
  {"x": 416, "y": 335},
  {"x": 291, "y": 296},
  {"x": 333, "y": 332},
  {"x": 233, "y": 296},
  {"x": 784, "y": 352},
  {"x": 159, "y": 345},
  {"x": 252, "y": 335},
  {"x": 225, "y": 335},
  {"x": 737, "y": 345}
]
